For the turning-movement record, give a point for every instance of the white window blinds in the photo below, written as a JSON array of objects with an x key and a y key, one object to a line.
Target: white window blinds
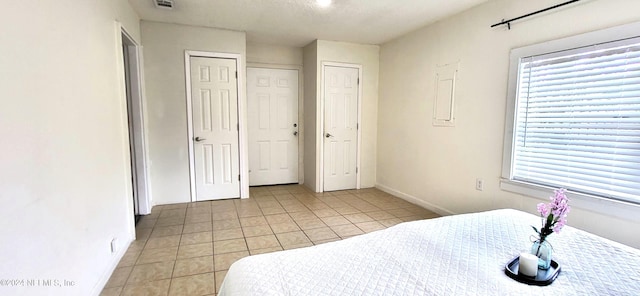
[{"x": 578, "y": 120}]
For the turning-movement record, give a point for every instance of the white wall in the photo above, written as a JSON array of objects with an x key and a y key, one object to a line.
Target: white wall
[
  {"x": 368, "y": 57},
  {"x": 438, "y": 166},
  {"x": 310, "y": 135},
  {"x": 276, "y": 55},
  {"x": 65, "y": 186},
  {"x": 164, "y": 47}
]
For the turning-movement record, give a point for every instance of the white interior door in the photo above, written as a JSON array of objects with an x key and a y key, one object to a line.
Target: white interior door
[
  {"x": 214, "y": 98},
  {"x": 340, "y": 127},
  {"x": 273, "y": 126}
]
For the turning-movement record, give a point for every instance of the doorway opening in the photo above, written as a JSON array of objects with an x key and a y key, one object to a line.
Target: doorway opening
[{"x": 132, "y": 74}]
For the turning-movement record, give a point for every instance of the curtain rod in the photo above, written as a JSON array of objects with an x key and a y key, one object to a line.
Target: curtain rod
[{"x": 508, "y": 22}]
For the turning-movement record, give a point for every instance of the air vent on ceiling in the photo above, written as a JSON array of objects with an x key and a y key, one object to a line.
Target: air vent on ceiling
[{"x": 166, "y": 4}]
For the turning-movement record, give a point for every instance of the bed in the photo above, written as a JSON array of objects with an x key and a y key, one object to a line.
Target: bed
[{"x": 454, "y": 255}]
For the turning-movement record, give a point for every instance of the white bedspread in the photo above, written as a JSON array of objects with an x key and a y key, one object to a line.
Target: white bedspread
[{"x": 455, "y": 255}]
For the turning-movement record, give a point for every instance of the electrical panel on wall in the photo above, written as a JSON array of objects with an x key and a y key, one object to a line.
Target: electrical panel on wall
[{"x": 443, "y": 103}]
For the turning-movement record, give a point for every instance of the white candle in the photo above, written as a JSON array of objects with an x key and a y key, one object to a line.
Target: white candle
[{"x": 528, "y": 264}]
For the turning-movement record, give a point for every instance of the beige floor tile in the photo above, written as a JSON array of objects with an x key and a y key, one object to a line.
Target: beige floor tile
[
  {"x": 380, "y": 215},
  {"x": 411, "y": 218},
  {"x": 256, "y": 230},
  {"x": 279, "y": 218},
  {"x": 249, "y": 212},
  {"x": 198, "y": 211},
  {"x": 227, "y": 234},
  {"x": 198, "y": 218},
  {"x": 225, "y": 215},
  {"x": 129, "y": 258},
  {"x": 310, "y": 224},
  {"x": 229, "y": 246},
  {"x": 137, "y": 245},
  {"x": 196, "y": 250},
  {"x": 324, "y": 241},
  {"x": 226, "y": 224},
  {"x": 270, "y": 203},
  {"x": 150, "y": 272},
  {"x": 197, "y": 227},
  {"x": 143, "y": 233},
  {"x": 267, "y": 250},
  {"x": 166, "y": 230},
  {"x": 253, "y": 221},
  {"x": 390, "y": 222},
  {"x": 219, "y": 278},
  {"x": 298, "y": 246},
  {"x": 175, "y": 206},
  {"x": 218, "y": 207},
  {"x": 326, "y": 213},
  {"x": 370, "y": 226},
  {"x": 262, "y": 242},
  {"x": 399, "y": 213},
  {"x": 285, "y": 227},
  {"x": 358, "y": 218},
  {"x": 170, "y": 221},
  {"x": 292, "y": 238},
  {"x": 302, "y": 215},
  {"x": 119, "y": 277},
  {"x": 157, "y": 255},
  {"x": 333, "y": 221},
  {"x": 174, "y": 213},
  {"x": 346, "y": 230},
  {"x": 200, "y": 204},
  {"x": 191, "y": 266},
  {"x": 115, "y": 291},
  {"x": 163, "y": 242},
  {"x": 155, "y": 288},
  {"x": 367, "y": 208},
  {"x": 346, "y": 210},
  {"x": 146, "y": 223},
  {"x": 295, "y": 208},
  {"x": 196, "y": 238},
  {"x": 194, "y": 285},
  {"x": 224, "y": 261},
  {"x": 289, "y": 202},
  {"x": 317, "y": 205},
  {"x": 388, "y": 206},
  {"x": 273, "y": 211},
  {"x": 320, "y": 234}
]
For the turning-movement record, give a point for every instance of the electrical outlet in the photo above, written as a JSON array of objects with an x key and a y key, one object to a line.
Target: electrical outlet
[
  {"x": 114, "y": 245},
  {"x": 479, "y": 184}
]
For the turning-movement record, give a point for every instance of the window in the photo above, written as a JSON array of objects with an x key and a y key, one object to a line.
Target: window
[{"x": 576, "y": 117}]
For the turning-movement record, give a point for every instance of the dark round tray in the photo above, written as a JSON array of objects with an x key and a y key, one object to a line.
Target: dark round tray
[{"x": 544, "y": 277}]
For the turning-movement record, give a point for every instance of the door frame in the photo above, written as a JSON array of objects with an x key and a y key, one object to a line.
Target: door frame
[
  {"x": 137, "y": 115},
  {"x": 300, "y": 109},
  {"x": 320, "y": 130},
  {"x": 242, "y": 129}
]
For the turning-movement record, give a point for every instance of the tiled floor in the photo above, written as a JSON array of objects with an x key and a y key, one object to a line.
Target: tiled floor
[{"x": 186, "y": 249}]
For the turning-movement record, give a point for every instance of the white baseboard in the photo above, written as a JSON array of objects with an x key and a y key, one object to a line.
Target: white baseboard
[
  {"x": 97, "y": 289},
  {"x": 414, "y": 200}
]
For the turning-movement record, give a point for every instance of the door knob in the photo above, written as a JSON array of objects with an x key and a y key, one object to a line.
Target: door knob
[
  {"x": 328, "y": 135},
  {"x": 295, "y": 133},
  {"x": 198, "y": 139}
]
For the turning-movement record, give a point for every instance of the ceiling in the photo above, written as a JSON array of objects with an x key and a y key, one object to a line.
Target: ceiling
[{"x": 298, "y": 22}]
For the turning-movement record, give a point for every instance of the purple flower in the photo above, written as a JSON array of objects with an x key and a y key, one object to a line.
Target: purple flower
[
  {"x": 554, "y": 214},
  {"x": 543, "y": 209},
  {"x": 558, "y": 225}
]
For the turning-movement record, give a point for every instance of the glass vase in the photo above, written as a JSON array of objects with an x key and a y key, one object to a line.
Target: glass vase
[{"x": 543, "y": 251}]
